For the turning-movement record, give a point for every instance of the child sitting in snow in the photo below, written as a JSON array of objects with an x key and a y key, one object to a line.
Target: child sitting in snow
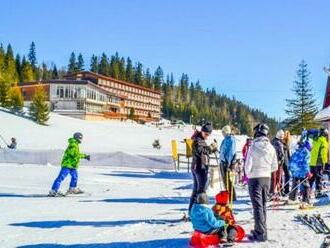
[
  {"x": 223, "y": 212},
  {"x": 203, "y": 219},
  {"x": 299, "y": 168}
]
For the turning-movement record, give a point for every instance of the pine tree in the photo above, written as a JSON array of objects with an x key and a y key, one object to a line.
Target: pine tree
[
  {"x": 80, "y": 63},
  {"x": 131, "y": 114},
  {"x": 114, "y": 67},
  {"x": 94, "y": 64},
  {"x": 18, "y": 67},
  {"x": 302, "y": 109},
  {"x": 104, "y": 65},
  {"x": 27, "y": 71},
  {"x": 158, "y": 78},
  {"x": 138, "y": 75},
  {"x": 148, "y": 79},
  {"x": 32, "y": 57},
  {"x": 10, "y": 66},
  {"x": 129, "y": 70},
  {"x": 122, "y": 69},
  {"x": 54, "y": 73},
  {"x": 39, "y": 110},
  {"x": 72, "y": 66},
  {"x": 2, "y": 62},
  {"x": 4, "y": 92},
  {"x": 16, "y": 101}
]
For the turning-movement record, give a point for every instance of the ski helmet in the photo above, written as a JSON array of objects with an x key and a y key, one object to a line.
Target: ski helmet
[
  {"x": 261, "y": 130},
  {"x": 78, "y": 136}
]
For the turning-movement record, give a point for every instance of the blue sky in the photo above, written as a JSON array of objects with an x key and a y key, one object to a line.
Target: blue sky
[{"x": 247, "y": 49}]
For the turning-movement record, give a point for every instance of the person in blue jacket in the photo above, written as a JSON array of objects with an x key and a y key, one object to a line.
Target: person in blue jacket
[
  {"x": 204, "y": 221},
  {"x": 227, "y": 157},
  {"x": 299, "y": 168}
]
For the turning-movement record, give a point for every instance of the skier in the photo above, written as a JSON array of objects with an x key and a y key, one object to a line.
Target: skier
[
  {"x": 13, "y": 144},
  {"x": 200, "y": 161},
  {"x": 227, "y": 157},
  {"x": 276, "y": 177},
  {"x": 203, "y": 219},
  {"x": 70, "y": 164},
  {"x": 222, "y": 211},
  {"x": 319, "y": 158},
  {"x": 287, "y": 155},
  {"x": 299, "y": 168},
  {"x": 261, "y": 161}
]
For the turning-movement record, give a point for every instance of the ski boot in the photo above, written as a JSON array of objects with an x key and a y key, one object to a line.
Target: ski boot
[
  {"x": 54, "y": 193},
  {"x": 74, "y": 191}
]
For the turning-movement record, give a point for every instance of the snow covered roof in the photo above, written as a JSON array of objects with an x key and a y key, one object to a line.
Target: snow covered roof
[{"x": 323, "y": 115}]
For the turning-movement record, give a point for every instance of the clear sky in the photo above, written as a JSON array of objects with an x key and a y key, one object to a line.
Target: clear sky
[{"x": 244, "y": 48}]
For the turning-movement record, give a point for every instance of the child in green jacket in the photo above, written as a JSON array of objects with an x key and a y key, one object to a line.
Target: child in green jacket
[{"x": 70, "y": 164}]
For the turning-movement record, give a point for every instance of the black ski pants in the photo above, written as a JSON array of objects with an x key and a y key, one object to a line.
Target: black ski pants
[
  {"x": 317, "y": 172},
  {"x": 258, "y": 190},
  {"x": 200, "y": 182},
  {"x": 305, "y": 188}
]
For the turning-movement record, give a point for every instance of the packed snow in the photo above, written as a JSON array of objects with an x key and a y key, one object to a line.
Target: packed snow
[{"x": 123, "y": 207}]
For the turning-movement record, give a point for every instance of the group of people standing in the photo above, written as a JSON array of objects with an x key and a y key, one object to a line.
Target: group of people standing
[{"x": 271, "y": 168}]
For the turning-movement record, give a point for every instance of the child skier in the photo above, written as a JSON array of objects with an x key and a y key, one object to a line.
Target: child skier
[
  {"x": 299, "y": 168},
  {"x": 203, "y": 219},
  {"x": 223, "y": 212},
  {"x": 70, "y": 164}
]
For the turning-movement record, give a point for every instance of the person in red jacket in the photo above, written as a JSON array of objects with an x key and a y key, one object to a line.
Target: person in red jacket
[{"x": 245, "y": 150}]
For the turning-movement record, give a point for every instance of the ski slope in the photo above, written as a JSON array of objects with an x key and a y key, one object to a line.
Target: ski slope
[
  {"x": 99, "y": 136},
  {"x": 125, "y": 208}
]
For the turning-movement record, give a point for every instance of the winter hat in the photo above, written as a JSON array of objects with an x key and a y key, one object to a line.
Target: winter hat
[
  {"x": 202, "y": 198},
  {"x": 226, "y": 130},
  {"x": 222, "y": 198},
  {"x": 207, "y": 127},
  {"x": 280, "y": 134}
]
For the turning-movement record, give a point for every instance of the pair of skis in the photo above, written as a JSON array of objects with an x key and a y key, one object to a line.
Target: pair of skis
[{"x": 315, "y": 222}]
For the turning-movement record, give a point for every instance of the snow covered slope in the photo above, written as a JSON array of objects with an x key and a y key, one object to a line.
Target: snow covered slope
[
  {"x": 99, "y": 136},
  {"x": 127, "y": 208}
]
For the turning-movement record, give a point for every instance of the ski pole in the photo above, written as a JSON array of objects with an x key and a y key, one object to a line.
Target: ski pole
[
  {"x": 232, "y": 191},
  {"x": 297, "y": 186},
  {"x": 219, "y": 170}
]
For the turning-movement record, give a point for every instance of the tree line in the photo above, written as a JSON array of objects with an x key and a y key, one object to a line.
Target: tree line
[{"x": 183, "y": 99}]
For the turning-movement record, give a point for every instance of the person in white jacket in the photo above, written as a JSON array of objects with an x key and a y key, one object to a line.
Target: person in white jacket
[{"x": 261, "y": 161}]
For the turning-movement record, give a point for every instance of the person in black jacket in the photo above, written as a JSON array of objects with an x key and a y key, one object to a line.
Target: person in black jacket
[
  {"x": 276, "y": 178},
  {"x": 200, "y": 161}
]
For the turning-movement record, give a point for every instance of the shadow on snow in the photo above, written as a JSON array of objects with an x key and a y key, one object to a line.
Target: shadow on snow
[
  {"x": 66, "y": 223},
  {"x": 162, "y": 243},
  {"x": 155, "y": 200},
  {"x": 153, "y": 175}
]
